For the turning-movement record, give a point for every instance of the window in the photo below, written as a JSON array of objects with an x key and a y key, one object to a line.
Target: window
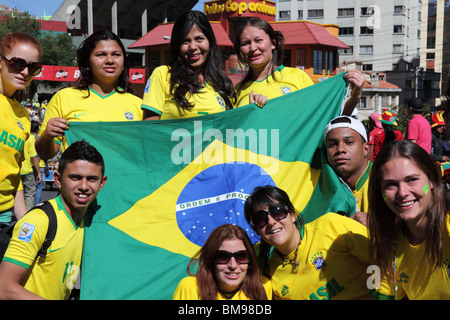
[
  {"x": 399, "y": 29},
  {"x": 330, "y": 65},
  {"x": 366, "y": 49},
  {"x": 347, "y": 12},
  {"x": 398, "y": 48},
  {"x": 300, "y": 14},
  {"x": 300, "y": 58},
  {"x": 318, "y": 62},
  {"x": 315, "y": 13},
  {"x": 399, "y": 10},
  {"x": 366, "y": 31},
  {"x": 346, "y": 51},
  {"x": 346, "y": 31},
  {"x": 366, "y": 11},
  {"x": 367, "y": 67},
  {"x": 431, "y": 42},
  {"x": 285, "y": 15}
]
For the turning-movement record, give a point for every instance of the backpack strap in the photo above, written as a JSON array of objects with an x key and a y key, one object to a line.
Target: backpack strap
[{"x": 52, "y": 226}]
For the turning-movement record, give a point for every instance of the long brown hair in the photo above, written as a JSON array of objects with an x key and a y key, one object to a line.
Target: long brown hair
[
  {"x": 276, "y": 37},
  {"x": 384, "y": 225},
  {"x": 207, "y": 286}
]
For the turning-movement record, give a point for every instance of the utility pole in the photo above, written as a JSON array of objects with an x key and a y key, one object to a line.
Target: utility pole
[{"x": 417, "y": 72}]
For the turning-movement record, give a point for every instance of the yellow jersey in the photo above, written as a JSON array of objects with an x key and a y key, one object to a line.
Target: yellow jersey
[
  {"x": 29, "y": 153},
  {"x": 52, "y": 277},
  {"x": 413, "y": 278},
  {"x": 361, "y": 189},
  {"x": 15, "y": 126},
  {"x": 158, "y": 98},
  {"x": 332, "y": 260},
  {"x": 187, "y": 289},
  {"x": 72, "y": 105},
  {"x": 284, "y": 80}
]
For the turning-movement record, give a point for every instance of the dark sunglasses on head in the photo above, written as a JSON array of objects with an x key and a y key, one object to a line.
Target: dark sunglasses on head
[
  {"x": 260, "y": 218},
  {"x": 18, "y": 65},
  {"x": 223, "y": 257}
]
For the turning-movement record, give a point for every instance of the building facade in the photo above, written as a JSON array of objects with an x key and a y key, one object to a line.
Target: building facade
[
  {"x": 378, "y": 32},
  {"x": 310, "y": 46}
]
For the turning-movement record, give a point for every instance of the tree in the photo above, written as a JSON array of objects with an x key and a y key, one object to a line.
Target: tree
[
  {"x": 57, "y": 48},
  {"x": 22, "y": 22}
]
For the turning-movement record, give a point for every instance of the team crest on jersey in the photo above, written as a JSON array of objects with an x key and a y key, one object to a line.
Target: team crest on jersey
[
  {"x": 285, "y": 89},
  {"x": 19, "y": 123},
  {"x": 220, "y": 101},
  {"x": 129, "y": 115},
  {"x": 447, "y": 267},
  {"x": 26, "y": 232},
  {"x": 318, "y": 261}
]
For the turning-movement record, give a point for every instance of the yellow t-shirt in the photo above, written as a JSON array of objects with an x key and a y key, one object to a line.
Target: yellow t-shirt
[
  {"x": 15, "y": 130},
  {"x": 29, "y": 153},
  {"x": 52, "y": 277},
  {"x": 187, "y": 289},
  {"x": 413, "y": 278},
  {"x": 71, "y": 104},
  {"x": 333, "y": 260},
  {"x": 286, "y": 80},
  {"x": 158, "y": 99}
]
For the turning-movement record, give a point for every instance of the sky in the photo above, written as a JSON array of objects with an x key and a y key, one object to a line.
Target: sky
[{"x": 37, "y": 7}]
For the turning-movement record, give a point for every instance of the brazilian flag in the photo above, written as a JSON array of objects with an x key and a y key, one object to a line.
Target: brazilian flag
[{"x": 171, "y": 182}]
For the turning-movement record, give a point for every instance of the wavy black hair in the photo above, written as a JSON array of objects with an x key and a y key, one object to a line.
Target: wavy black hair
[{"x": 183, "y": 79}]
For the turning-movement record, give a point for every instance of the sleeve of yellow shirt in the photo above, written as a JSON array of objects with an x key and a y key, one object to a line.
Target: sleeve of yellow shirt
[
  {"x": 27, "y": 239},
  {"x": 155, "y": 93}
]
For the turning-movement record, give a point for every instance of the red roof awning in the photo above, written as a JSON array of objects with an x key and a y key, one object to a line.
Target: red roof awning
[
  {"x": 306, "y": 33},
  {"x": 160, "y": 36}
]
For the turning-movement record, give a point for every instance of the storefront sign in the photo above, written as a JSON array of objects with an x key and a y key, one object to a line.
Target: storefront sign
[{"x": 71, "y": 74}]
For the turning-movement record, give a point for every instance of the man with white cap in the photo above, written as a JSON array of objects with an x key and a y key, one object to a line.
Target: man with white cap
[{"x": 347, "y": 149}]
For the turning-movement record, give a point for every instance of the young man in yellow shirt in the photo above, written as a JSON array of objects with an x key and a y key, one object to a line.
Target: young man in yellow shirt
[
  {"x": 347, "y": 152},
  {"x": 23, "y": 275}
]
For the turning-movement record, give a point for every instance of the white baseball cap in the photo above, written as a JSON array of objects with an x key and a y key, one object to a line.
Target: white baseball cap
[{"x": 346, "y": 122}]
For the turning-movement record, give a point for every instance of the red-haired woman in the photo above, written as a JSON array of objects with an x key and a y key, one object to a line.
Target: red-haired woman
[
  {"x": 19, "y": 63},
  {"x": 227, "y": 269}
]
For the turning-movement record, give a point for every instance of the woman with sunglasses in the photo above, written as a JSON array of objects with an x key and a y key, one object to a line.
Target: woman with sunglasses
[
  {"x": 322, "y": 260},
  {"x": 19, "y": 63},
  {"x": 409, "y": 224},
  {"x": 261, "y": 48},
  {"x": 102, "y": 93},
  {"x": 193, "y": 83},
  {"x": 227, "y": 269}
]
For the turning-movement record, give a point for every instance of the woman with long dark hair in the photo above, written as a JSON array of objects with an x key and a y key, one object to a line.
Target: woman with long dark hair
[
  {"x": 261, "y": 48},
  {"x": 227, "y": 269},
  {"x": 19, "y": 63},
  {"x": 409, "y": 224},
  {"x": 102, "y": 93},
  {"x": 193, "y": 83},
  {"x": 321, "y": 260}
]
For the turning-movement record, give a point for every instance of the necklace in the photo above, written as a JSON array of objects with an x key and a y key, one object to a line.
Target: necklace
[
  {"x": 230, "y": 294},
  {"x": 294, "y": 262}
]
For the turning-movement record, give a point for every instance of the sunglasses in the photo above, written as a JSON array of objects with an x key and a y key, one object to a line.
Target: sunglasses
[
  {"x": 223, "y": 257},
  {"x": 18, "y": 65},
  {"x": 260, "y": 218}
]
